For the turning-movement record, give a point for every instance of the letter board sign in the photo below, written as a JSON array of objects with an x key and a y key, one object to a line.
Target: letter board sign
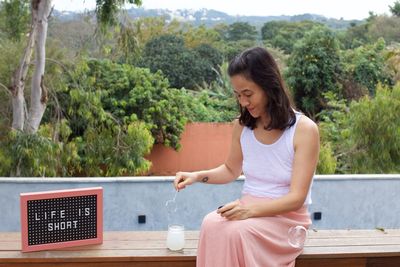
[{"x": 62, "y": 218}]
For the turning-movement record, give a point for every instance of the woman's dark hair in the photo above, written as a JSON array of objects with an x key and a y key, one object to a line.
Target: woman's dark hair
[{"x": 257, "y": 65}]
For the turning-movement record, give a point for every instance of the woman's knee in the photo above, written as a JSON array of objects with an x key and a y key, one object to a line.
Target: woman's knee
[{"x": 211, "y": 220}]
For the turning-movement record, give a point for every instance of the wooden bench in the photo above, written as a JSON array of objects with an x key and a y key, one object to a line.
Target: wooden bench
[{"x": 324, "y": 248}]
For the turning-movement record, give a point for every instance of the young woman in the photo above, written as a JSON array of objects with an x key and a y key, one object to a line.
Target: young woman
[{"x": 277, "y": 150}]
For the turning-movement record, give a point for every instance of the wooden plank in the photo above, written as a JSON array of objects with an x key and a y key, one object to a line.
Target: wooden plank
[
  {"x": 97, "y": 255},
  {"x": 310, "y": 241},
  {"x": 104, "y": 264},
  {"x": 192, "y": 243},
  {"x": 110, "y": 245},
  {"x": 344, "y": 241},
  {"x": 315, "y": 233},
  {"x": 132, "y": 235},
  {"x": 350, "y": 262},
  {"x": 315, "y": 252},
  {"x": 145, "y": 235},
  {"x": 340, "y": 247},
  {"x": 386, "y": 262},
  {"x": 148, "y": 235},
  {"x": 351, "y": 251}
]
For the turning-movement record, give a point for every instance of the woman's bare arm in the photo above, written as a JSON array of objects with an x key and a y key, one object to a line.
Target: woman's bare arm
[
  {"x": 306, "y": 146},
  {"x": 222, "y": 174}
]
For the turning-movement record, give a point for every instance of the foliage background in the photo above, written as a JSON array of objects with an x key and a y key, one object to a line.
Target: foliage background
[{"x": 116, "y": 90}]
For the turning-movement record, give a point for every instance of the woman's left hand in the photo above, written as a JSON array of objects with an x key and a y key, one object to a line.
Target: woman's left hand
[{"x": 234, "y": 211}]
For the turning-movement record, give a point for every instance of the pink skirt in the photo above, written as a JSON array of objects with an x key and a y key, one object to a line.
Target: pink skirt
[{"x": 254, "y": 242}]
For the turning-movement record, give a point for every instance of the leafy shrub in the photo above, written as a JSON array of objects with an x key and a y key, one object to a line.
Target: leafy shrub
[
  {"x": 374, "y": 138},
  {"x": 314, "y": 68},
  {"x": 365, "y": 65},
  {"x": 365, "y": 137},
  {"x": 284, "y": 34},
  {"x": 182, "y": 66},
  {"x": 327, "y": 161},
  {"x": 129, "y": 94}
]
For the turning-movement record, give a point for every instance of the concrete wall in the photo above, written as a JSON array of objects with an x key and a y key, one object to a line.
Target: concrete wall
[
  {"x": 203, "y": 146},
  {"x": 351, "y": 201}
]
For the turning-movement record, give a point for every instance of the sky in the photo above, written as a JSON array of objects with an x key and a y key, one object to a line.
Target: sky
[{"x": 346, "y": 9}]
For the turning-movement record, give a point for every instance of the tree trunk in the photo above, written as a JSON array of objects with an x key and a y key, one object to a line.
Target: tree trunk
[
  {"x": 40, "y": 12},
  {"x": 18, "y": 82}
]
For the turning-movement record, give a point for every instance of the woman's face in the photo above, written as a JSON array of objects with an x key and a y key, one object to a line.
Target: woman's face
[{"x": 250, "y": 95}]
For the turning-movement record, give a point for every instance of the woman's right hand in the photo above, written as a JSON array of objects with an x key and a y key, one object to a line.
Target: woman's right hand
[{"x": 182, "y": 179}]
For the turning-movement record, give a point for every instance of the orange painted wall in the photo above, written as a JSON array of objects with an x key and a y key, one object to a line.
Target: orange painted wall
[{"x": 203, "y": 146}]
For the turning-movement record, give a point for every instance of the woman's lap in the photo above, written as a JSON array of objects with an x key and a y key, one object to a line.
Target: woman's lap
[{"x": 252, "y": 242}]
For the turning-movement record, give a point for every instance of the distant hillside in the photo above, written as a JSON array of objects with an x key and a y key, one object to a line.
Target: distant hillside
[{"x": 211, "y": 17}]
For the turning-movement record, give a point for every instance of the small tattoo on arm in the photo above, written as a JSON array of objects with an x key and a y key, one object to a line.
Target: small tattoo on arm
[{"x": 205, "y": 179}]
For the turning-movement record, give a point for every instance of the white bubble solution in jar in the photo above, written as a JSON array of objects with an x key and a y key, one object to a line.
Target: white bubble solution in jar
[{"x": 176, "y": 237}]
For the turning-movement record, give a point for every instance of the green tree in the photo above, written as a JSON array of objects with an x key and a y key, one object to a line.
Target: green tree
[
  {"x": 374, "y": 133},
  {"x": 15, "y": 18},
  {"x": 395, "y": 9},
  {"x": 333, "y": 127},
  {"x": 370, "y": 31},
  {"x": 8, "y": 63},
  {"x": 392, "y": 59},
  {"x": 130, "y": 94},
  {"x": 27, "y": 155},
  {"x": 374, "y": 127},
  {"x": 146, "y": 29},
  {"x": 354, "y": 36},
  {"x": 168, "y": 54},
  {"x": 284, "y": 34},
  {"x": 384, "y": 27},
  {"x": 210, "y": 59},
  {"x": 314, "y": 68},
  {"x": 327, "y": 161},
  {"x": 74, "y": 37},
  {"x": 127, "y": 48},
  {"x": 106, "y": 11},
  {"x": 126, "y": 41},
  {"x": 115, "y": 150},
  {"x": 208, "y": 106},
  {"x": 215, "y": 102},
  {"x": 279, "y": 55},
  {"x": 88, "y": 140},
  {"x": 241, "y": 31},
  {"x": 179, "y": 64},
  {"x": 365, "y": 66},
  {"x": 271, "y": 29},
  {"x": 222, "y": 30},
  {"x": 195, "y": 36},
  {"x": 230, "y": 49},
  {"x": 364, "y": 136}
]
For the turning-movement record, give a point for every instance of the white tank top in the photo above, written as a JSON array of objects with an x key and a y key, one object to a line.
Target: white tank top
[{"x": 268, "y": 168}]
